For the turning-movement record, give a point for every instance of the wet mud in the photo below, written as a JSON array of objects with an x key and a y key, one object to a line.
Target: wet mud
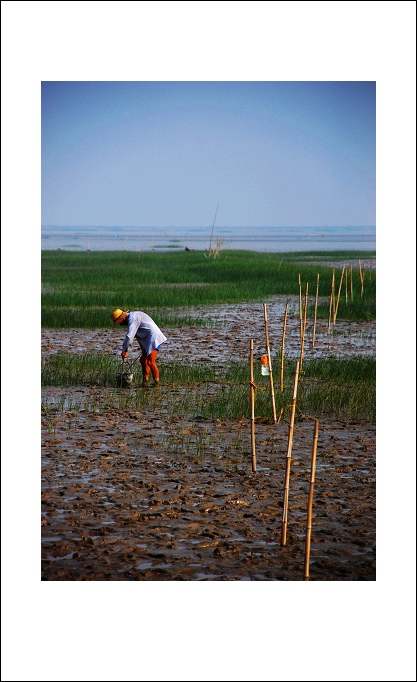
[
  {"x": 123, "y": 500},
  {"x": 229, "y": 337},
  {"x": 129, "y": 495}
]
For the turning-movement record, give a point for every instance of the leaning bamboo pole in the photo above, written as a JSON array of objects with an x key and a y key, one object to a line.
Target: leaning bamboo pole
[
  {"x": 331, "y": 304},
  {"x": 282, "y": 349},
  {"x": 304, "y": 328},
  {"x": 300, "y": 306},
  {"x": 338, "y": 295},
  {"x": 289, "y": 450},
  {"x": 252, "y": 405},
  {"x": 313, "y": 340},
  {"x": 310, "y": 502},
  {"x": 271, "y": 379}
]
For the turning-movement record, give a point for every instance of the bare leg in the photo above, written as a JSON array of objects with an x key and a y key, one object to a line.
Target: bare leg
[
  {"x": 145, "y": 369},
  {"x": 152, "y": 366},
  {"x": 149, "y": 365}
]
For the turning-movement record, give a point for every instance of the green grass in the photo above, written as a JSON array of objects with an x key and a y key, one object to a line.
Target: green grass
[
  {"x": 79, "y": 290},
  {"x": 342, "y": 389}
]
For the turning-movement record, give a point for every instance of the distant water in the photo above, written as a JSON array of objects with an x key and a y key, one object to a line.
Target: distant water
[{"x": 267, "y": 239}]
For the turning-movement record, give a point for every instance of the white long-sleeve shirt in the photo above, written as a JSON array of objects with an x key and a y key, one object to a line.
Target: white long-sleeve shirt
[{"x": 143, "y": 328}]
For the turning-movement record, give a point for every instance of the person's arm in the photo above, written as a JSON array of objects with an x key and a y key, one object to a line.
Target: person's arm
[{"x": 130, "y": 335}]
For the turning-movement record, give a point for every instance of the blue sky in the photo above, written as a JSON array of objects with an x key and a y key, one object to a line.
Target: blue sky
[{"x": 165, "y": 153}]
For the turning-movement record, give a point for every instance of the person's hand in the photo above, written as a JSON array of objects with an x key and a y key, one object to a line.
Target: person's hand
[{"x": 125, "y": 354}]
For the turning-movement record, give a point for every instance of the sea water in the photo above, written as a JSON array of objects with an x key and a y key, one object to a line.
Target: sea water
[{"x": 267, "y": 239}]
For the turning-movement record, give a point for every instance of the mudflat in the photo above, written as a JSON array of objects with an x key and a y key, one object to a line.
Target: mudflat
[{"x": 145, "y": 495}]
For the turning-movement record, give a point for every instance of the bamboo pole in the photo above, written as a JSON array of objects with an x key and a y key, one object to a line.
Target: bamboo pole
[
  {"x": 288, "y": 467},
  {"x": 346, "y": 282},
  {"x": 252, "y": 405},
  {"x": 310, "y": 502},
  {"x": 351, "y": 282},
  {"x": 362, "y": 276},
  {"x": 304, "y": 327},
  {"x": 338, "y": 295},
  {"x": 331, "y": 304},
  {"x": 282, "y": 349},
  {"x": 271, "y": 379},
  {"x": 315, "y": 311},
  {"x": 300, "y": 306}
]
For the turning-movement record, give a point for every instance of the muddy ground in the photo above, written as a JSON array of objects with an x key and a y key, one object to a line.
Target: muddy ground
[{"x": 145, "y": 496}]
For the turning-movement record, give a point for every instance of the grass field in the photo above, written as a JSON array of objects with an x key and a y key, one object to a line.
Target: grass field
[{"x": 79, "y": 290}]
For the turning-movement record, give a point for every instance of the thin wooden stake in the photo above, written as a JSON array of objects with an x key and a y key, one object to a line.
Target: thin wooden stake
[
  {"x": 331, "y": 304},
  {"x": 282, "y": 349},
  {"x": 310, "y": 502},
  {"x": 271, "y": 379},
  {"x": 252, "y": 405},
  {"x": 362, "y": 276},
  {"x": 315, "y": 311},
  {"x": 300, "y": 306},
  {"x": 338, "y": 296},
  {"x": 351, "y": 283},
  {"x": 289, "y": 450},
  {"x": 304, "y": 328},
  {"x": 346, "y": 282}
]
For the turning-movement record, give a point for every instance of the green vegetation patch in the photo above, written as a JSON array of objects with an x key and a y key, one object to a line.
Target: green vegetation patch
[
  {"x": 343, "y": 389},
  {"x": 80, "y": 289}
]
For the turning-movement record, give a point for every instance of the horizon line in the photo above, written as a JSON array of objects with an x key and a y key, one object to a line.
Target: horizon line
[{"x": 152, "y": 227}]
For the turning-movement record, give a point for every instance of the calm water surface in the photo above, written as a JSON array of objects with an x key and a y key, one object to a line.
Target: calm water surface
[{"x": 267, "y": 239}]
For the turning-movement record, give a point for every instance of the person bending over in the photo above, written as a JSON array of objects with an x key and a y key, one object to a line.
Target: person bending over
[{"x": 148, "y": 335}]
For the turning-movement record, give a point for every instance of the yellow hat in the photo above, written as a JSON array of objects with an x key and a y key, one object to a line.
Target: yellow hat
[{"x": 118, "y": 316}]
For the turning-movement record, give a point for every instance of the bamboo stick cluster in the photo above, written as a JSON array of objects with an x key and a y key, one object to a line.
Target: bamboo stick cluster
[
  {"x": 347, "y": 274},
  {"x": 334, "y": 299},
  {"x": 290, "y": 435}
]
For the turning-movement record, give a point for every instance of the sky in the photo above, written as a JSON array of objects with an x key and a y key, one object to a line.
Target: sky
[{"x": 166, "y": 153}]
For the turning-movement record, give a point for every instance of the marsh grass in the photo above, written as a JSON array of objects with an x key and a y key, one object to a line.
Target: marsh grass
[
  {"x": 339, "y": 388},
  {"x": 97, "y": 318},
  {"x": 79, "y": 289}
]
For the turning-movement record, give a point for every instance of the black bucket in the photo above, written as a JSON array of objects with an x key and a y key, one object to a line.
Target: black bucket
[{"x": 124, "y": 379}]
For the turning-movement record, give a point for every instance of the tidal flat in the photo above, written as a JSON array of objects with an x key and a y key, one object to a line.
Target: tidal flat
[{"x": 133, "y": 489}]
